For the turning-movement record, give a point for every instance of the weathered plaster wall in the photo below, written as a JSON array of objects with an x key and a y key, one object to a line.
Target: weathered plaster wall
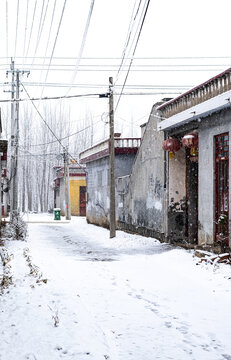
[
  {"x": 177, "y": 171},
  {"x": 216, "y": 124},
  {"x": 177, "y": 196},
  {"x": 142, "y": 194}
]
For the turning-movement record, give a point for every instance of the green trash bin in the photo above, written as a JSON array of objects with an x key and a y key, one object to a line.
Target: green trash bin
[{"x": 57, "y": 214}]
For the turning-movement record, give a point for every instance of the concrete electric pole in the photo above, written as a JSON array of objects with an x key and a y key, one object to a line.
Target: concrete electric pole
[
  {"x": 14, "y": 143},
  {"x": 67, "y": 186},
  {"x": 112, "y": 160}
]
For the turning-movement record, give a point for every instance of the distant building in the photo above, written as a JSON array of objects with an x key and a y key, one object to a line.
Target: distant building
[
  {"x": 77, "y": 178},
  {"x": 96, "y": 159}
]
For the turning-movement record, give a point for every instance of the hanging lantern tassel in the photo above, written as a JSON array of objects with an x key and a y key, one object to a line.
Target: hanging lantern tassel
[
  {"x": 194, "y": 151},
  {"x": 171, "y": 155}
]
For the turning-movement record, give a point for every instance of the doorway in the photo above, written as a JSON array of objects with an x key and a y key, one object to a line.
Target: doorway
[
  {"x": 222, "y": 185},
  {"x": 82, "y": 200},
  {"x": 191, "y": 197}
]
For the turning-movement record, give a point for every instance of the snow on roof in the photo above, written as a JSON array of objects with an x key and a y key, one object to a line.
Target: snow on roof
[{"x": 201, "y": 110}]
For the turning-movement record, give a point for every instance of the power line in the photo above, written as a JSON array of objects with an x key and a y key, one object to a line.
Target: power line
[
  {"x": 128, "y": 38},
  {"x": 88, "y": 95},
  {"x": 51, "y": 24},
  {"x": 149, "y": 93},
  {"x": 48, "y": 39},
  {"x": 82, "y": 43},
  {"x": 54, "y": 97},
  {"x": 137, "y": 40},
  {"x": 66, "y": 137},
  {"x": 31, "y": 29},
  {"x": 116, "y": 65},
  {"x": 132, "y": 70},
  {"x": 41, "y": 25},
  {"x": 40, "y": 115},
  {"x": 57, "y": 34},
  {"x": 30, "y": 154},
  {"x": 24, "y": 45},
  {"x": 127, "y": 58},
  {"x": 135, "y": 36},
  {"x": 16, "y": 32},
  {"x": 7, "y": 36},
  {"x": 135, "y": 86}
]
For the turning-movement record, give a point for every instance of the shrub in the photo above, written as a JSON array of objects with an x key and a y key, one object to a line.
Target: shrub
[{"x": 16, "y": 229}]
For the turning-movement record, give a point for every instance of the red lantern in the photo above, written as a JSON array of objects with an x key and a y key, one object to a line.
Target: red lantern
[
  {"x": 190, "y": 140},
  {"x": 171, "y": 145}
]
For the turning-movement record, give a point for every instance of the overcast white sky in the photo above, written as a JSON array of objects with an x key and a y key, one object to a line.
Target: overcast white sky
[{"x": 176, "y": 28}]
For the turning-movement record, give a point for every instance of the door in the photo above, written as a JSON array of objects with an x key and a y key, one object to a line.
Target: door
[
  {"x": 222, "y": 184},
  {"x": 191, "y": 197},
  {"x": 82, "y": 200}
]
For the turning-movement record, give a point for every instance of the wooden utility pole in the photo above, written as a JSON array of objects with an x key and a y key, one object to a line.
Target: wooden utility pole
[
  {"x": 67, "y": 186},
  {"x": 112, "y": 160}
]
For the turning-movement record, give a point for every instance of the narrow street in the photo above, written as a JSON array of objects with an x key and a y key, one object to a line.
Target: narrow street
[{"x": 77, "y": 294}]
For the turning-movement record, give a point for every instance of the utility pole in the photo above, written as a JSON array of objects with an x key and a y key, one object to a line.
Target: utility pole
[
  {"x": 16, "y": 143},
  {"x": 12, "y": 142},
  {"x": 112, "y": 160},
  {"x": 0, "y": 186},
  {"x": 15, "y": 87},
  {"x": 67, "y": 186}
]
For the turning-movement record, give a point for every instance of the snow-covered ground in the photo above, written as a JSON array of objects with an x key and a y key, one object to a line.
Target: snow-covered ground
[{"x": 129, "y": 298}]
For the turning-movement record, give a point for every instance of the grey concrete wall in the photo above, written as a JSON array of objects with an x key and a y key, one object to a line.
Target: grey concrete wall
[
  {"x": 98, "y": 193},
  {"x": 97, "y": 210},
  {"x": 216, "y": 124},
  {"x": 141, "y": 205},
  {"x": 123, "y": 164}
]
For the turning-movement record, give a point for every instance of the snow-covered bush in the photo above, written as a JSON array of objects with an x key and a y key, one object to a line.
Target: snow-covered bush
[{"x": 16, "y": 229}]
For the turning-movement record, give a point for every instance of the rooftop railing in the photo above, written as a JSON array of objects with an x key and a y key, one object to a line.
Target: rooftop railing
[
  {"x": 104, "y": 146},
  {"x": 197, "y": 95}
]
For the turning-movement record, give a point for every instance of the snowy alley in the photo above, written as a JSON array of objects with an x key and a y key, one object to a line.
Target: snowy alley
[{"x": 76, "y": 294}]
